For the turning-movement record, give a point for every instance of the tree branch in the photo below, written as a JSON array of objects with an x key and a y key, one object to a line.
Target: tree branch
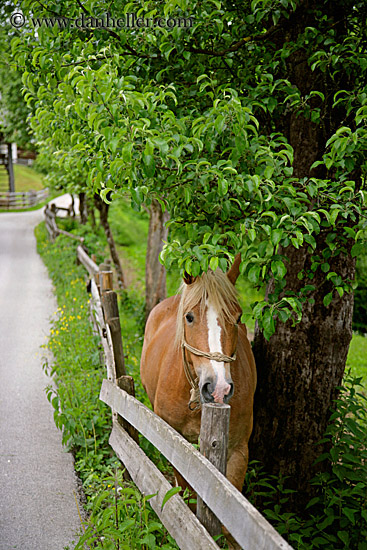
[
  {"x": 237, "y": 45},
  {"x": 46, "y": 8},
  {"x": 81, "y": 6},
  {"x": 131, "y": 50}
]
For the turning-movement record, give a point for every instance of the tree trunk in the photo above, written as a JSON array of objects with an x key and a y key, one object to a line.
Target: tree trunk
[
  {"x": 155, "y": 273},
  {"x": 299, "y": 370},
  {"x": 83, "y": 208},
  {"x": 72, "y": 206},
  {"x": 300, "y": 367},
  {"x": 91, "y": 213},
  {"x": 103, "y": 211}
]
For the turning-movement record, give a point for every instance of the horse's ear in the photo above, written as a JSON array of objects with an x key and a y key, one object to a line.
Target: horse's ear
[
  {"x": 188, "y": 279},
  {"x": 234, "y": 270}
]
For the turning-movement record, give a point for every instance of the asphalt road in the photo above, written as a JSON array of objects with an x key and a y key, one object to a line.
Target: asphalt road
[{"x": 37, "y": 480}]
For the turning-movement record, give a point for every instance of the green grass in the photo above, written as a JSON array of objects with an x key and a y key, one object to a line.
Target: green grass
[
  {"x": 130, "y": 230},
  {"x": 357, "y": 357},
  {"x": 27, "y": 179},
  {"x": 119, "y": 516}
]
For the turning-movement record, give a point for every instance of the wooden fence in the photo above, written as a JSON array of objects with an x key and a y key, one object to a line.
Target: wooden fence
[
  {"x": 221, "y": 499},
  {"x": 20, "y": 200},
  {"x": 51, "y": 224}
]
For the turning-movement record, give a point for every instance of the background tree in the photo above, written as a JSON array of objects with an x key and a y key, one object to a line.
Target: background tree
[
  {"x": 249, "y": 128},
  {"x": 14, "y": 111}
]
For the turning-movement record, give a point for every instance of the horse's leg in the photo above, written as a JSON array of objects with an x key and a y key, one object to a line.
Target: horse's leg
[
  {"x": 237, "y": 466},
  {"x": 236, "y": 470}
]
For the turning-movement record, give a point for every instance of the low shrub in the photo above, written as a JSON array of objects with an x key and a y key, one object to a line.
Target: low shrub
[{"x": 337, "y": 517}]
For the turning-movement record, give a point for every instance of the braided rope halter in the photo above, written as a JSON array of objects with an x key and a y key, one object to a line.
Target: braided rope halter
[{"x": 194, "y": 403}]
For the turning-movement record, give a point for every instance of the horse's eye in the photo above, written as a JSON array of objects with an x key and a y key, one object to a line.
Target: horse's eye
[{"x": 189, "y": 318}]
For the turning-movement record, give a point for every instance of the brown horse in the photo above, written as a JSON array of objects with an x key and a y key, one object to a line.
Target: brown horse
[{"x": 196, "y": 351}]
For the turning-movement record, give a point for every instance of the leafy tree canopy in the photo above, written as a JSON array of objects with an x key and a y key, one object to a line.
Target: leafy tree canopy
[{"x": 207, "y": 117}]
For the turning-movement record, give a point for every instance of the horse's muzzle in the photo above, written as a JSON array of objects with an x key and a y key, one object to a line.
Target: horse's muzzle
[{"x": 210, "y": 393}]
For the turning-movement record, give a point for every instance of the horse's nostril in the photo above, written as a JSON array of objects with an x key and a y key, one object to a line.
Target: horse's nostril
[
  {"x": 229, "y": 394},
  {"x": 206, "y": 391}
]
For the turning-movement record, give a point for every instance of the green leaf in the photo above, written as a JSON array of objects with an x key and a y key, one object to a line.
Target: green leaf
[
  {"x": 356, "y": 249},
  {"x": 114, "y": 144},
  {"x": 149, "y": 165},
  {"x": 278, "y": 269},
  {"x": 340, "y": 291},
  {"x": 252, "y": 234},
  {"x": 214, "y": 262},
  {"x": 268, "y": 172},
  {"x": 276, "y": 236},
  {"x": 254, "y": 274},
  {"x": 343, "y": 535},
  {"x": 222, "y": 187},
  {"x": 268, "y": 323},
  {"x": 187, "y": 193},
  {"x": 219, "y": 123},
  {"x": 328, "y": 299},
  {"x": 350, "y": 514},
  {"x": 310, "y": 240},
  {"x": 126, "y": 152}
]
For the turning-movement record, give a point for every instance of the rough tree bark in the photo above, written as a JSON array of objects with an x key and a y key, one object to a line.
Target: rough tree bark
[
  {"x": 83, "y": 208},
  {"x": 103, "y": 208},
  {"x": 299, "y": 370},
  {"x": 300, "y": 367},
  {"x": 155, "y": 273}
]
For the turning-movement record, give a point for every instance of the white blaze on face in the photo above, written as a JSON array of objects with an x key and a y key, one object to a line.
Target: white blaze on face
[{"x": 215, "y": 345}]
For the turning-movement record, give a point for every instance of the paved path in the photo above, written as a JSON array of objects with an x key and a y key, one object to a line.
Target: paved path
[{"x": 37, "y": 479}]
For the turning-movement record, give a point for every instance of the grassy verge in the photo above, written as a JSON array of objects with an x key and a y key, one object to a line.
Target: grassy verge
[
  {"x": 27, "y": 179},
  {"x": 117, "y": 511},
  {"x": 357, "y": 357}
]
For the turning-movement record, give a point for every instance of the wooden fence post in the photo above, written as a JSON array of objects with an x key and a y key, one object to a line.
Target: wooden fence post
[
  {"x": 112, "y": 318},
  {"x": 126, "y": 383},
  {"x": 105, "y": 280},
  {"x": 213, "y": 445}
]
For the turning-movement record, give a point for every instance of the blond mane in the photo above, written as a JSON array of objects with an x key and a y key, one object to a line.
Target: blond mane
[{"x": 211, "y": 287}]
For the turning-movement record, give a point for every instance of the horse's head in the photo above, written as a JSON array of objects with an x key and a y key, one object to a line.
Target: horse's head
[{"x": 209, "y": 314}]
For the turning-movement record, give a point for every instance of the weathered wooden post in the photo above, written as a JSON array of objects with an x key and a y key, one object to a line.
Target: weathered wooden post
[
  {"x": 10, "y": 169},
  {"x": 112, "y": 319},
  {"x": 105, "y": 280},
  {"x": 213, "y": 445}
]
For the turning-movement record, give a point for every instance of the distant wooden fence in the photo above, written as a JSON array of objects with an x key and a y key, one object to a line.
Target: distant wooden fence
[
  {"x": 51, "y": 224},
  {"x": 248, "y": 527},
  {"x": 20, "y": 200}
]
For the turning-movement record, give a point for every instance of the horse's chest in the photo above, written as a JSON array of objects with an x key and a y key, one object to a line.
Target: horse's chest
[{"x": 190, "y": 429}]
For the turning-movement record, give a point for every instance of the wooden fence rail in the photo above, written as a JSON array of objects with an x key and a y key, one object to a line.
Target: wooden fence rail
[
  {"x": 19, "y": 200},
  {"x": 238, "y": 515},
  {"x": 52, "y": 227},
  {"x": 248, "y": 527}
]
